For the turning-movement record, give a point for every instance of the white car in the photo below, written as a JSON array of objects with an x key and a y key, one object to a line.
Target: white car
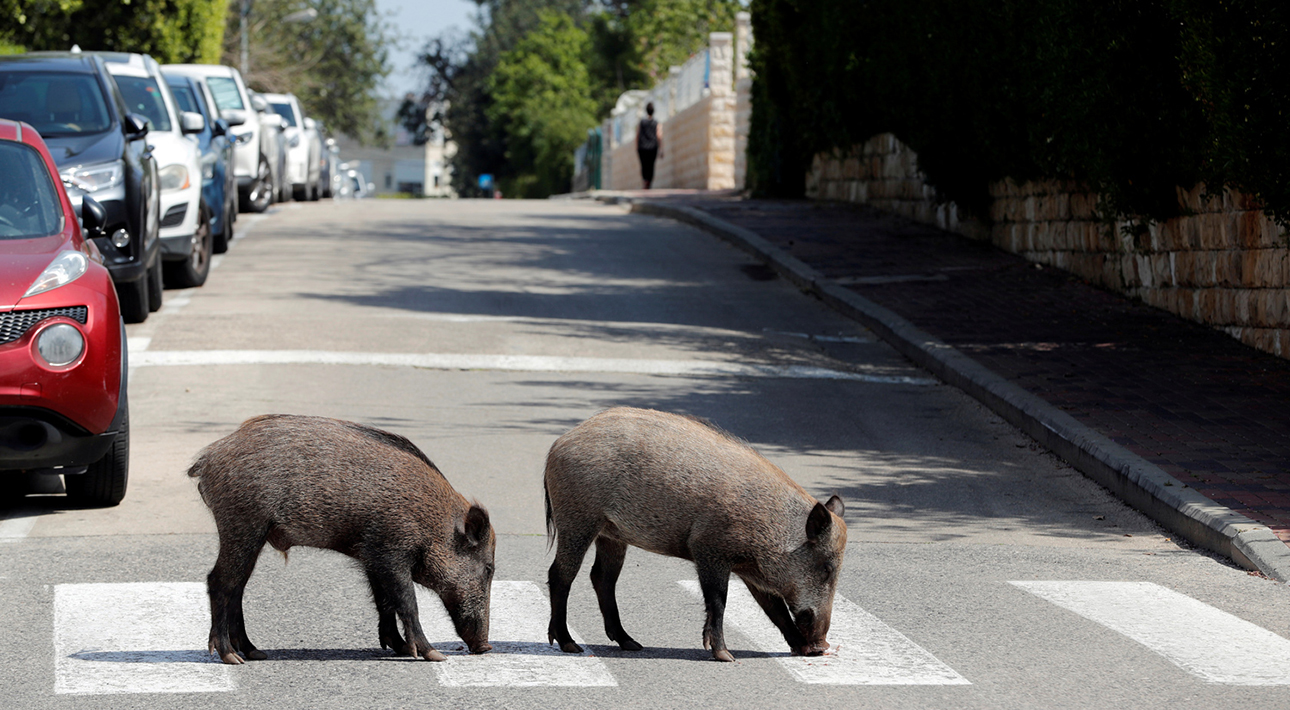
[
  {"x": 303, "y": 146},
  {"x": 185, "y": 219},
  {"x": 251, "y": 164}
]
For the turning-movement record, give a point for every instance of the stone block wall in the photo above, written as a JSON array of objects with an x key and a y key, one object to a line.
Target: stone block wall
[
  {"x": 699, "y": 143},
  {"x": 1225, "y": 263}
]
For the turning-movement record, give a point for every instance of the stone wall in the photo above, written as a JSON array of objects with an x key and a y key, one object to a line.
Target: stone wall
[
  {"x": 1224, "y": 264},
  {"x": 699, "y": 138}
]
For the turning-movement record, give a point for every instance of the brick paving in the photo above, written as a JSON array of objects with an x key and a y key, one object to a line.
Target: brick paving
[{"x": 1197, "y": 403}]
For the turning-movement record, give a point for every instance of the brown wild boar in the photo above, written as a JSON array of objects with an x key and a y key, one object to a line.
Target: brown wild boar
[
  {"x": 681, "y": 487},
  {"x": 372, "y": 495}
]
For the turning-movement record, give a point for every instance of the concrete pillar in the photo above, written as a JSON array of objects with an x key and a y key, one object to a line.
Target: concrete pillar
[
  {"x": 743, "y": 44},
  {"x": 721, "y": 66}
]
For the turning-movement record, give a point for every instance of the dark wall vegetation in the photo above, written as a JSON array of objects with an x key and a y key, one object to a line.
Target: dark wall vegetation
[{"x": 1133, "y": 97}]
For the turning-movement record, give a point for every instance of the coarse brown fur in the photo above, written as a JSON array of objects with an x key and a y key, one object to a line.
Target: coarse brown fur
[
  {"x": 293, "y": 480},
  {"x": 682, "y": 487}
]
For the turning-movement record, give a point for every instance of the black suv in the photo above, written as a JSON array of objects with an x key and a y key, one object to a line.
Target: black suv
[{"x": 101, "y": 150}]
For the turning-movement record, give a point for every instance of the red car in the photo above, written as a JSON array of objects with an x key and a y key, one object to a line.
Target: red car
[{"x": 62, "y": 342}]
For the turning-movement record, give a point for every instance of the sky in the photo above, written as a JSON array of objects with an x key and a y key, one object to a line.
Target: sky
[{"x": 417, "y": 21}]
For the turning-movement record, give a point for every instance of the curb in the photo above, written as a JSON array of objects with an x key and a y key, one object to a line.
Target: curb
[{"x": 1132, "y": 479}]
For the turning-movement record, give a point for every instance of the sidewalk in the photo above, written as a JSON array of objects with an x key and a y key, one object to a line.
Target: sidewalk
[{"x": 1203, "y": 408}]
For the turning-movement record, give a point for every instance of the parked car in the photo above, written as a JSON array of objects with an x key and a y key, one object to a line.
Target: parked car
[
  {"x": 63, "y": 405},
  {"x": 274, "y": 145},
  {"x": 102, "y": 150},
  {"x": 304, "y": 146},
  {"x": 252, "y": 169},
  {"x": 215, "y": 142},
  {"x": 185, "y": 216},
  {"x": 329, "y": 172}
]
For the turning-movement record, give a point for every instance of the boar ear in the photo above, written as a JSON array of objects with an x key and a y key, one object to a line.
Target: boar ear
[
  {"x": 818, "y": 522},
  {"x": 835, "y": 506},
  {"x": 475, "y": 526}
]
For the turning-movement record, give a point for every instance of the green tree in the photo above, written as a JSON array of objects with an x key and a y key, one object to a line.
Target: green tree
[
  {"x": 169, "y": 30},
  {"x": 542, "y": 92},
  {"x": 332, "y": 63}
]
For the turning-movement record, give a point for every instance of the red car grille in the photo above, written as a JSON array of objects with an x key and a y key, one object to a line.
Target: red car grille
[{"x": 15, "y": 324}]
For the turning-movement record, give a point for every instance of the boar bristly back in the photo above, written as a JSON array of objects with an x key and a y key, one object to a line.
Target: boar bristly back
[
  {"x": 679, "y": 486},
  {"x": 370, "y": 494}
]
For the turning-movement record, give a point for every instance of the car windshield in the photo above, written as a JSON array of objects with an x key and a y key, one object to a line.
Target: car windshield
[
  {"x": 55, "y": 103},
  {"x": 224, "y": 89},
  {"x": 185, "y": 99},
  {"x": 142, "y": 96},
  {"x": 29, "y": 206},
  {"x": 284, "y": 110}
]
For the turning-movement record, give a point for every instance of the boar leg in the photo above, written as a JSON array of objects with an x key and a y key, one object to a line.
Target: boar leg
[
  {"x": 777, "y": 609},
  {"x": 233, "y": 566},
  {"x": 604, "y": 577},
  {"x": 714, "y": 580},
  {"x": 387, "y": 625},
  {"x": 400, "y": 596},
  {"x": 569, "y": 552}
]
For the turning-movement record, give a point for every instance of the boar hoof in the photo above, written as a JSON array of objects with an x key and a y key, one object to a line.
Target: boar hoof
[
  {"x": 432, "y": 655},
  {"x": 256, "y": 655},
  {"x": 232, "y": 659},
  {"x": 723, "y": 655},
  {"x": 482, "y": 648},
  {"x": 570, "y": 647},
  {"x": 629, "y": 645}
]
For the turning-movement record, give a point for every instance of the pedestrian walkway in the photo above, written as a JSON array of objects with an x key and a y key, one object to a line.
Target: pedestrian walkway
[
  {"x": 149, "y": 637},
  {"x": 1195, "y": 402}
]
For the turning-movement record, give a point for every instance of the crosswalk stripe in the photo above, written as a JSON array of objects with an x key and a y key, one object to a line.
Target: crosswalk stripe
[
  {"x": 865, "y": 651},
  {"x": 134, "y": 638},
  {"x": 1204, "y": 641},
  {"x": 521, "y": 656}
]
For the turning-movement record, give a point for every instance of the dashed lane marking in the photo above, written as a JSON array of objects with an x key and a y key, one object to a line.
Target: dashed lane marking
[
  {"x": 134, "y": 638},
  {"x": 1208, "y": 643},
  {"x": 865, "y": 651},
  {"x": 521, "y": 655},
  {"x": 518, "y": 363}
]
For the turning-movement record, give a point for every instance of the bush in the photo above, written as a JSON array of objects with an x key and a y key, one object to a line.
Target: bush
[{"x": 1132, "y": 97}]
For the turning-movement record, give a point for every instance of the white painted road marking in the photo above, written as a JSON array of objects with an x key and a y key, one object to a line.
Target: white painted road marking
[
  {"x": 1206, "y": 642},
  {"x": 516, "y": 363},
  {"x": 521, "y": 655},
  {"x": 147, "y": 637},
  {"x": 865, "y": 651},
  {"x": 15, "y": 528}
]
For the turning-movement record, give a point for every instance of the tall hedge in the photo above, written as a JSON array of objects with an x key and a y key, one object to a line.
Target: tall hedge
[
  {"x": 171, "y": 31},
  {"x": 1133, "y": 97}
]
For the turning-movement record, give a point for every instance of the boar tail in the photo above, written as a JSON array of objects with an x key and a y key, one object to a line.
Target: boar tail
[{"x": 550, "y": 522}]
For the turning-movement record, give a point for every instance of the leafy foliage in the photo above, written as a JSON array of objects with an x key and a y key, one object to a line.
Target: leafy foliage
[
  {"x": 542, "y": 93},
  {"x": 171, "y": 31},
  {"x": 1132, "y": 97},
  {"x": 332, "y": 63}
]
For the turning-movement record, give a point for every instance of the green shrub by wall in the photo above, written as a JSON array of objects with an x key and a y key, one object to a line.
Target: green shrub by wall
[{"x": 1133, "y": 97}]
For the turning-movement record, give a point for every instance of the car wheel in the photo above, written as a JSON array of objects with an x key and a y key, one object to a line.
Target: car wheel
[
  {"x": 316, "y": 193},
  {"x": 219, "y": 242},
  {"x": 261, "y": 194},
  {"x": 299, "y": 194},
  {"x": 191, "y": 272},
  {"x": 103, "y": 483},
  {"x": 134, "y": 299},
  {"x": 156, "y": 286}
]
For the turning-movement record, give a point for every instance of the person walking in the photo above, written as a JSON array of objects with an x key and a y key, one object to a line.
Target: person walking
[{"x": 649, "y": 144}]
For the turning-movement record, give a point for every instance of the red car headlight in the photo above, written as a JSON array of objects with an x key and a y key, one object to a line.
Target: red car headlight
[{"x": 60, "y": 344}]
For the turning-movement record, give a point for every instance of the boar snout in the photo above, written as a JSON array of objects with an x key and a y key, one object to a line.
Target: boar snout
[{"x": 813, "y": 628}]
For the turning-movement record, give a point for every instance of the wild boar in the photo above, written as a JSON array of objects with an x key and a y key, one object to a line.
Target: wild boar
[
  {"x": 294, "y": 480},
  {"x": 682, "y": 487}
]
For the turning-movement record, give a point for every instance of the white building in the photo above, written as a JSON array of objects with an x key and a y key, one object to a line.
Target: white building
[{"x": 420, "y": 170}]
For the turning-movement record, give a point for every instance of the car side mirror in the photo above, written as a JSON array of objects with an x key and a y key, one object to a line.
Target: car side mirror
[
  {"x": 93, "y": 216},
  {"x": 259, "y": 103},
  {"x": 219, "y": 128},
  {"x": 191, "y": 122},
  {"x": 136, "y": 126},
  {"x": 310, "y": 124},
  {"x": 233, "y": 116}
]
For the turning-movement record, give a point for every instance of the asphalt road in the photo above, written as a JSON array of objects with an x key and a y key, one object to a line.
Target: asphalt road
[{"x": 482, "y": 331}]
